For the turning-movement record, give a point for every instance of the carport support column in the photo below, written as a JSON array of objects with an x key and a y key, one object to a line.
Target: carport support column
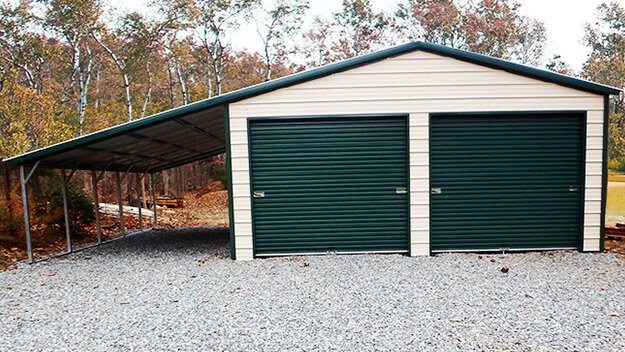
[
  {"x": 29, "y": 240},
  {"x": 153, "y": 190},
  {"x": 68, "y": 233},
  {"x": 96, "y": 205},
  {"x": 139, "y": 196},
  {"x": 118, "y": 181}
]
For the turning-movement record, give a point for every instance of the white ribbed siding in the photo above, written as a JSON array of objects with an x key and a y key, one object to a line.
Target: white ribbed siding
[{"x": 417, "y": 83}]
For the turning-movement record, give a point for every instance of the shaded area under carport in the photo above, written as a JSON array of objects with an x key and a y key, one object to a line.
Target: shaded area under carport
[{"x": 142, "y": 147}]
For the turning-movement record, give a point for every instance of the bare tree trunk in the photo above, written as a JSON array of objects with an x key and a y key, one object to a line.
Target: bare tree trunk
[
  {"x": 72, "y": 79},
  {"x": 267, "y": 61},
  {"x": 98, "y": 78},
  {"x": 210, "y": 85},
  {"x": 183, "y": 84},
  {"x": 217, "y": 68},
  {"x": 148, "y": 94},
  {"x": 122, "y": 71},
  {"x": 84, "y": 92},
  {"x": 172, "y": 83}
]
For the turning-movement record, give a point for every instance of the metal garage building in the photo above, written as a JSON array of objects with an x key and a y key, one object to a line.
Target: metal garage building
[{"x": 415, "y": 149}]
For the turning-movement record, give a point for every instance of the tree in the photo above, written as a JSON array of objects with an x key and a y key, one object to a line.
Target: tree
[
  {"x": 435, "y": 21},
  {"x": 19, "y": 48},
  {"x": 74, "y": 21},
  {"x": 556, "y": 64},
  {"x": 318, "y": 40},
  {"x": 359, "y": 29},
  {"x": 490, "y": 27},
  {"x": 275, "y": 29},
  {"x": 215, "y": 20},
  {"x": 496, "y": 28},
  {"x": 606, "y": 64}
]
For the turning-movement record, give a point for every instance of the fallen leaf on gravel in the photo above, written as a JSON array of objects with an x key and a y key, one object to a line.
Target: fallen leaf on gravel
[
  {"x": 236, "y": 290},
  {"x": 51, "y": 273},
  {"x": 492, "y": 260},
  {"x": 527, "y": 295},
  {"x": 613, "y": 314},
  {"x": 305, "y": 264},
  {"x": 479, "y": 257},
  {"x": 505, "y": 269}
]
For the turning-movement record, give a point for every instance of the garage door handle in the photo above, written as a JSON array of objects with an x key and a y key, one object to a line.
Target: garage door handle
[
  {"x": 436, "y": 190},
  {"x": 258, "y": 194},
  {"x": 574, "y": 188},
  {"x": 401, "y": 190}
]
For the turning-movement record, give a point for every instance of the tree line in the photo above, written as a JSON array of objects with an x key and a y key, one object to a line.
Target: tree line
[{"x": 70, "y": 67}]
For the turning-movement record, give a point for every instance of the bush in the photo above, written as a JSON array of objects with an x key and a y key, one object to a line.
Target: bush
[
  {"x": 11, "y": 225},
  {"x": 220, "y": 174},
  {"x": 49, "y": 209},
  {"x": 616, "y": 165}
]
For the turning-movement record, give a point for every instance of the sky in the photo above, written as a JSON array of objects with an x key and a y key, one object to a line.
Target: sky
[{"x": 564, "y": 21}]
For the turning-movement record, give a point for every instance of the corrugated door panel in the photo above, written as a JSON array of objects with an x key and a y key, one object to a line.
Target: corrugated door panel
[
  {"x": 506, "y": 182},
  {"x": 329, "y": 185}
]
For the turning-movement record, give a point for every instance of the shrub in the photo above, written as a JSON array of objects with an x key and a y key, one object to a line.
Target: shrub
[
  {"x": 220, "y": 174},
  {"x": 49, "y": 208},
  {"x": 11, "y": 225}
]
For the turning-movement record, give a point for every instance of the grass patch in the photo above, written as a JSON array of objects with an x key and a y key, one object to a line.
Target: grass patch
[
  {"x": 615, "y": 176},
  {"x": 615, "y": 206}
]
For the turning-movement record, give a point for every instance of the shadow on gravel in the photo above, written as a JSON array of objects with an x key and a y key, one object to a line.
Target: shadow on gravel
[{"x": 205, "y": 240}]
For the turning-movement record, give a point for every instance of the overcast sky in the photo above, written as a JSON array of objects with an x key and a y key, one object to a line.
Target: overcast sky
[{"x": 564, "y": 20}]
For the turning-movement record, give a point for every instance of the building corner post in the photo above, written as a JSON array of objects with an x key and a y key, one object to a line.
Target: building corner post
[
  {"x": 229, "y": 186},
  {"x": 604, "y": 170}
]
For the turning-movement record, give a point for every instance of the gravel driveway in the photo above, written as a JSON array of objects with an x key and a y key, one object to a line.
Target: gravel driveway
[{"x": 177, "y": 290}]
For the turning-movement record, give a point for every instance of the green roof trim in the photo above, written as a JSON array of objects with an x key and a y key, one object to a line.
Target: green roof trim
[{"x": 309, "y": 75}]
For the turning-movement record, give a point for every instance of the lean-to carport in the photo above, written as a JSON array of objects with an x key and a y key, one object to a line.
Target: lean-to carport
[{"x": 142, "y": 147}]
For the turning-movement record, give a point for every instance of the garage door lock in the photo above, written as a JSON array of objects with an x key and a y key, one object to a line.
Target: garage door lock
[{"x": 259, "y": 194}]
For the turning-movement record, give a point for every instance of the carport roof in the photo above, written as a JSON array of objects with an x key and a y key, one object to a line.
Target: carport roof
[{"x": 197, "y": 131}]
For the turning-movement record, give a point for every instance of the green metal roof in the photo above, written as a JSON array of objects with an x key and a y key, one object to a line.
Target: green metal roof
[{"x": 180, "y": 113}]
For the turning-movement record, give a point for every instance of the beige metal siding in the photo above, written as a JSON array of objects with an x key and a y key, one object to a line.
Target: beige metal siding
[{"x": 417, "y": 83}]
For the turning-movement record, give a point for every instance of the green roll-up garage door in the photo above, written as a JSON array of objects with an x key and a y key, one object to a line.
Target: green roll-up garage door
[
  {"x": 329, "y": 185},
  {"x": 506, "y": 181}
]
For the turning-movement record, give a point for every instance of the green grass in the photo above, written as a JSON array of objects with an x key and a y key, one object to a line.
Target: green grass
[{"x": 615, "y": 206}]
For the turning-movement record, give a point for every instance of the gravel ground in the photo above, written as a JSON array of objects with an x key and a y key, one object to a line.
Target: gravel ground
[{"x": 177, "y": 290}]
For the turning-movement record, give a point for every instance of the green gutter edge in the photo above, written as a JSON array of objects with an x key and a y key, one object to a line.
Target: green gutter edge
[
  {"x": 309, "y": 75},
  {"x": 233, "y": 254},
  {"x": 604, "y": 168}
]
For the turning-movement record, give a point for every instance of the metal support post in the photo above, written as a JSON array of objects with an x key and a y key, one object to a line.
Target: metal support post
[
  {"x": 153, "y": 189},
  {"x": 96, "y": 203},
  {"x": 119, "y": 200},
  {"x": 68, "y": 233},
  {"x": 29, "y": 240},
  {"x": 139, "y": 205}
]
